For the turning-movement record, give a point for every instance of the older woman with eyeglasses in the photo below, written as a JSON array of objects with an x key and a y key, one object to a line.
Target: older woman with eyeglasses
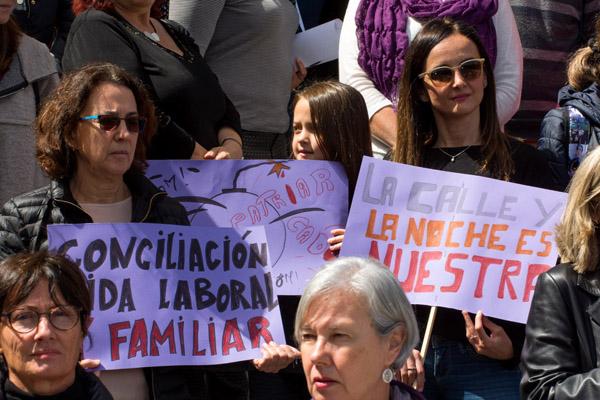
[
  {"x": 91, "y": 140},
  {"x": 447, "y": 120},
  {"x": 45, "y": 305}
]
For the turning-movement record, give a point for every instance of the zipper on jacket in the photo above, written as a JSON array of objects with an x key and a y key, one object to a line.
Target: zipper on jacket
[{"x": 150, "y": 205}]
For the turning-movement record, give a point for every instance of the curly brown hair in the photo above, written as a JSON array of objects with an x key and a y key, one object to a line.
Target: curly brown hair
[{"x": 56, "y": 124}]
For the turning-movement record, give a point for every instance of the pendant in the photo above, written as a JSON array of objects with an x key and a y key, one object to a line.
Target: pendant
[
  {"x": 152, "y": 36},
  {"x": 452, "y": 159}
]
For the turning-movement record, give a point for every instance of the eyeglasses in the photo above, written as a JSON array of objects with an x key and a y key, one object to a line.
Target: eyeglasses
[
  {"x": 24, "y": 320},
  {"x": 109, "y": 122},
  {"x": 469, "y": 70}
]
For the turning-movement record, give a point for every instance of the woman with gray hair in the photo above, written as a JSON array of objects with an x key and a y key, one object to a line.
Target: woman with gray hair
[{"x": 355, "y": 328}]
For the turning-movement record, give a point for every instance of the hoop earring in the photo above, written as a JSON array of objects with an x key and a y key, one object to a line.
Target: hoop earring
[{"x": 387, "y": 375}]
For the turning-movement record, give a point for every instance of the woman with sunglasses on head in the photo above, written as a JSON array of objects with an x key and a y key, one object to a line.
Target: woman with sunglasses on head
[
  {"x": 447, "y": 120},
  {"x": 92, "y": 135},
  {"x": 45, "y": 308},
  {"x": 197, "y": 119}
]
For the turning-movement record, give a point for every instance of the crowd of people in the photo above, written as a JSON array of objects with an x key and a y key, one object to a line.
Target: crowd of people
[{"x": 457, "y": 86}]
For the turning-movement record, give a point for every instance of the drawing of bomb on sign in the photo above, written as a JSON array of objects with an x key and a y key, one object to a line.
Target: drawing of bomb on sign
[{"x": 298, "y": 202}]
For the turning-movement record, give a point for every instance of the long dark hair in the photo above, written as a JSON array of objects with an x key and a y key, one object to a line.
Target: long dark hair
[
  {"x": 416, "y": 124},
  {"x": 341, "y": 124},
  {"x": 10, "y": 36}
]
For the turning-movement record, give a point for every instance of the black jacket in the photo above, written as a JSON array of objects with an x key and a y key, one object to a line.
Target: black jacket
[
  {"x": 85, "y": 387},
  {"x": 554, "y": 139},
  {"x": 48, "y": 21},
  {"x": 560, "y": 355},
  {"x": 23, "y": 223},
  {"x": 23, "y": 219}
]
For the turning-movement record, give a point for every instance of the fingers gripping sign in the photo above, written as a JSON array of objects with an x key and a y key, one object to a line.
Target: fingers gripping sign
[
  {"x": 412, "y": 372},
  {"x": 487, "y": 338}
]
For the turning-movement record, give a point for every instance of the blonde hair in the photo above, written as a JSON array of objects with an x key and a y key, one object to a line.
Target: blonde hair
[
  {"x": 576, "y": 234},
  {"x": 584, "y": 67}
]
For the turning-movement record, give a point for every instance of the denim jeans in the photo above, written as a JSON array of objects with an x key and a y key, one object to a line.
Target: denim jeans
[{"x": 453, "y": 370}]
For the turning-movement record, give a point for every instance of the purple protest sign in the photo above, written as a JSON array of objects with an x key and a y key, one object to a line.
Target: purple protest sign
[
  {"x": 173, "y": 295},
  {"x": 298, "y": 202},
  {"x": 455, "y": 240}
]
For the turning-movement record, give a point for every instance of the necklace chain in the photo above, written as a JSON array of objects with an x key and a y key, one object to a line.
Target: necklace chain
[
  {"x": 152, "y": 35},
  {"x": 454, "y": 156}
]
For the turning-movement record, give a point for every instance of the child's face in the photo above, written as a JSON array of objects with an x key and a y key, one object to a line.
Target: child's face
[{"x": 304, "y": 142}]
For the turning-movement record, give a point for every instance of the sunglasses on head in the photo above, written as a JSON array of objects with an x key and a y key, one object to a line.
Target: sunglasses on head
[
  {"x": 469, "y": 70},
  {"x": 108, "y": 123}
]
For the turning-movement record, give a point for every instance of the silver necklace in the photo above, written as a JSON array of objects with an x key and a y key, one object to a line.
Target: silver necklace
[
  {"x": 453, "y": 156},
  {"x": 152, "y": 35}
]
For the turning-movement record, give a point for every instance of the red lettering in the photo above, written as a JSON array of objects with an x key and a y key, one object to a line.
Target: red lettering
[
  {"x": 195, "y": 350},
  {"x": 532, "y": 273},
  {"x": 257, "y": 328},
  {"x": 409, "y": 282},
  {"x": 485, "y": 262},
  {"x": 424, "y": 273},
  {"x": 157, "y": 337},
  {"x": 139, "y": 339},
  {"x": 212, "y": 341},
  {"x": 232, "y": 337},
  {"x": 511, "y": 268},
  {"x": 116, "y": 340},
  {"x": 457, "y": 272},
  {"x": 397, "y": 262}
]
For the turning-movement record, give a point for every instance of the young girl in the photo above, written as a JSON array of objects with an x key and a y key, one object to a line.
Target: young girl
[{"x": 331, "y": 123}]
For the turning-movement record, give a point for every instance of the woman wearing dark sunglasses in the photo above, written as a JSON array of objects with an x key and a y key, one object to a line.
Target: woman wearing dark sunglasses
[
  {"x": 447, "y": 120},
  {"x": 92, "y": 136}
]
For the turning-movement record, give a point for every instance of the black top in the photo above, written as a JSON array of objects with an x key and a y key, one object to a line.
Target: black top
[
  {"x": 186, "y": 91},
  {"x": 86, "y": 387},
  {"x": 531, "y": 169},
  {"x": 47, "y": 21}
]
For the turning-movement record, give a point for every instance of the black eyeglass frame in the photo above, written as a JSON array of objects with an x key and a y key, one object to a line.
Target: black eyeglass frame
[{"x": 38, "y": 315}]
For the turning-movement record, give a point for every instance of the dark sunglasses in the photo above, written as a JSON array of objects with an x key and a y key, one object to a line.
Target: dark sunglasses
[
  {"x": 469, "y": 70},
  {"x": 109, "y": 122}
]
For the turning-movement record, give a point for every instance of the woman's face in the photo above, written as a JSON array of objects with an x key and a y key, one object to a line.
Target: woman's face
[
  {"x": 460, "y": 97},
  {"x": 41, "y": 361},
  {"x": 100, "y": 152},
  {"x": 6, "y": 8},
  {"x": 304, "y": 142},
  {"x": 342, "y": 355}
]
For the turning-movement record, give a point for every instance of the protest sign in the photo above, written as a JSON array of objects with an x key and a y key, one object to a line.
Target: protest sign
[
  {"x": 173, "y": 295},
  {"x": 299, "y": 202},
  {"x": 455, "y": 240}
]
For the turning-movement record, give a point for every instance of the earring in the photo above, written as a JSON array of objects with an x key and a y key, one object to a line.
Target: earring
[{"x": 387, "y": 375}]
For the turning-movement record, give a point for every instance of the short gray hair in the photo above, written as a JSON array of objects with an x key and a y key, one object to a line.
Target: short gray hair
[{"x": 387, "y": 303}]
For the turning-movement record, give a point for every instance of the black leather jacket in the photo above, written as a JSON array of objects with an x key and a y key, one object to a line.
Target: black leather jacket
[
  {"x": 560, "y": 355},
  {"x": 23, "y": 223}
]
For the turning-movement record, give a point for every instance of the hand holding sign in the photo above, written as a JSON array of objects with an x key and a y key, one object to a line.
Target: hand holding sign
[
  {"x": 412, "y": 373},
  {"x": 275, "y": 357},
  {"x": 496, "y": 344}
]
